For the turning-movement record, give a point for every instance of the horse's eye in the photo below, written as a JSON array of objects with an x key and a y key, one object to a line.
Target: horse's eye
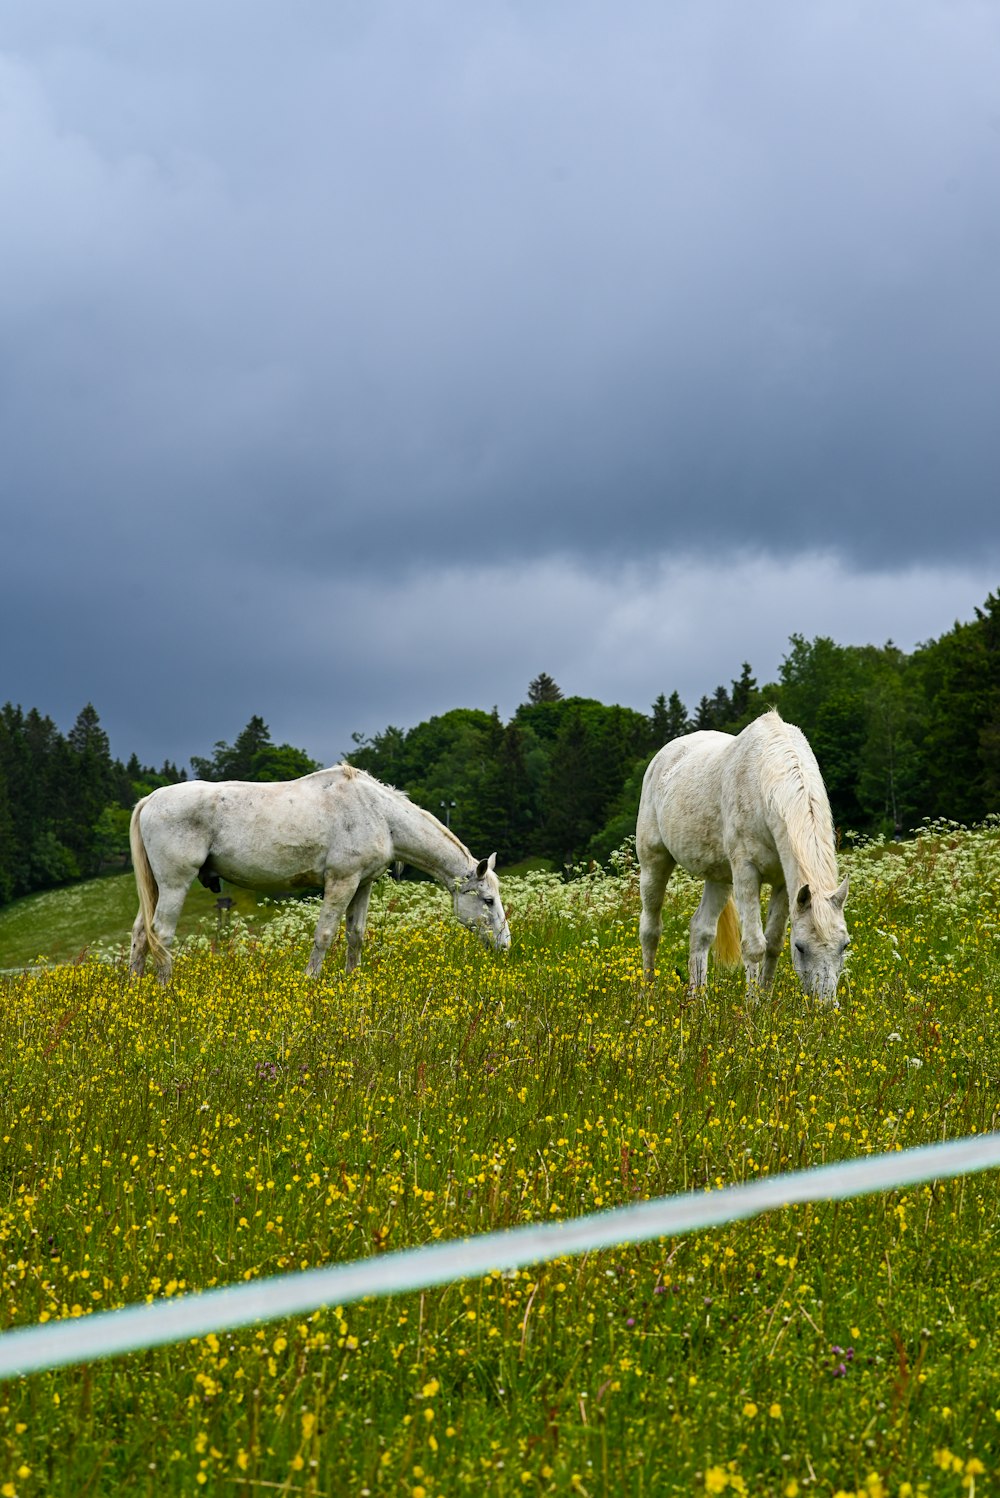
[
  {"x": 488, "y": 900},
  {"x": 800, "y": 948}
]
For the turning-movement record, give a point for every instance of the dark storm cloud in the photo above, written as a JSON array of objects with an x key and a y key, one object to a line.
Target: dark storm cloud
[{"x": 296, "y": 301}]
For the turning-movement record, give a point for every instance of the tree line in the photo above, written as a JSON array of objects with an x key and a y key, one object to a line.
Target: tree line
[{"x": 899, "y": 737}]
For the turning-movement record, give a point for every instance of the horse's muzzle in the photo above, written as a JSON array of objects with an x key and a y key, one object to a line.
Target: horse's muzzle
[{"x": 499, "y": 940}]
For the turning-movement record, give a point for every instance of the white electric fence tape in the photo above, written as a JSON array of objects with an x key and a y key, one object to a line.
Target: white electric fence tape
[{"x": 132, "y": 1328}]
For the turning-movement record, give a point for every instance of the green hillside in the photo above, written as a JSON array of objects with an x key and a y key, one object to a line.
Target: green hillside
[{"x": 61, "y": 924}]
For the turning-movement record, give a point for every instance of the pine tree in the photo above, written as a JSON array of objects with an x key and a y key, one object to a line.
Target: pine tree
[
  {"x": 543, "y": 689},
  {"x": 235, "y": 761},
  {"x": 722, "y": 708},
  {"x": 743, "y": 693},
  {"x": 87, "y": 737},
  {"x": 704, "y": 716},
  {"x": 91, "y": 783},
  {"x": 669, "y": 719},
  {"x": 8, "y": 849}
]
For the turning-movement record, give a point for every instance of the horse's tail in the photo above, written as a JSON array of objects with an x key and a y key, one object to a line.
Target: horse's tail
[
  {"x": 727, "y": 936},
  {"x": 145, "y": 882}
]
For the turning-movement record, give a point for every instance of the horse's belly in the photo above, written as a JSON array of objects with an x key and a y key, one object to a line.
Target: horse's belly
[
  {"x": 272, "y": 879},
  {"x": 700, "y": 860},
  {"x": 276, "y": 867},
  {"x": 694, "y": 840}
]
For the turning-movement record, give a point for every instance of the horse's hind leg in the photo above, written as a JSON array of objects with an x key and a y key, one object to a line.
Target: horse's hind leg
[
  {"x": 655, "y": 870},
  {"x": 140, "y": 946},
  {"x": 337, "y": 895},
  {"x": 169, "y": 905},
  {"x": 165, "y": 918},
  {"x": 357, "y": 915},
  {"x": 704, "y": 924}
]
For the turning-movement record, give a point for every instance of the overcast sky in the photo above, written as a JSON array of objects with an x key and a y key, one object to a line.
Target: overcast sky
[{"x": 359, "y": 360}]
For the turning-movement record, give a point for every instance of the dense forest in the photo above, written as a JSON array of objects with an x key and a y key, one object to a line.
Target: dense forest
[{"x": 898, "y": 737}]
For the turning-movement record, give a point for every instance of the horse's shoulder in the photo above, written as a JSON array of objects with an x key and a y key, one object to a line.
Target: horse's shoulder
[
  {"x": 333, "y": 776},
  {"x": 345, "y": 774},
  {"x": 779, "y": 750},
  {"x": 351, "y": 784},
  {"x": 771, "y": 729}
]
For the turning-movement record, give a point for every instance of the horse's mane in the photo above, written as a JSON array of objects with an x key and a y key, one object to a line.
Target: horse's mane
[
  {"x": 793, "y": 787},
  {"x": 353, "y": 772}
]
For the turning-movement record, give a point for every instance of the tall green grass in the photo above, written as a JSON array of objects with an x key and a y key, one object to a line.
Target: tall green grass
[{"x": 244, "y": 1122}]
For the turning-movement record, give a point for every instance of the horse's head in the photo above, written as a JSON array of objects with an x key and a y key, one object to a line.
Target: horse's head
[
  {"x": 819, "y": 940},
  {"x": 478, "y": 905}
]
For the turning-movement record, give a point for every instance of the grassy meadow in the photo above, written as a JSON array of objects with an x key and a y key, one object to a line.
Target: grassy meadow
[{"x": 245, "y": 1122}]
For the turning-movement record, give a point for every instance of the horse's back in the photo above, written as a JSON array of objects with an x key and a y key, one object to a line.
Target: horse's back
[
  {"x": 265, "y": 834},
  {"x": 690, "y": 758},
  {"x": 680, "y": 806}
]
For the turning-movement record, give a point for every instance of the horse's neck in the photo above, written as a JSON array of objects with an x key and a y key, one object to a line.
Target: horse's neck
[
  {"x": 792, "y": 865},
  {"x": 806, "y": 849},
  {"x": 420, "y": 839},
  {"x": 789, "y": 785}
]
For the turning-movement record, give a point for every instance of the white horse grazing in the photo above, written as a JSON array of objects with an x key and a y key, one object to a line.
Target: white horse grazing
[
  {"x": 741, "y": 811},
  {"x": 334, "y": 830}
]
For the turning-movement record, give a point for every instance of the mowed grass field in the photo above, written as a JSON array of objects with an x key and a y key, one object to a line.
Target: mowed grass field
[{"x": 244, "y": 1122}]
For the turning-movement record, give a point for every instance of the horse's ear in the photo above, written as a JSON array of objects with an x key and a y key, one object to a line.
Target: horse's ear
[
  {"x": 840, "y": 895},
  {"x": 484, "y": 866},
  {"x": 804, "y": 898}
]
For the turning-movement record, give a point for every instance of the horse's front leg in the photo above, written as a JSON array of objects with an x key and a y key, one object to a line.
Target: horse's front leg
[
  {"x": 774, "y": 933},
  {"x": 746, "y": 894},
  {"x": 704, "y": 924},
  {"x": 357, "y": 915},
  {"x": 654, "y": 872},
  {"x": 337, "y": 895}
]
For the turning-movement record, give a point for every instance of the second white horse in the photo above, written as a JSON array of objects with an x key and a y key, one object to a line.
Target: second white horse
[
  {"x": 741, "y": 811},
  {"x": 334, "y": 830}
]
